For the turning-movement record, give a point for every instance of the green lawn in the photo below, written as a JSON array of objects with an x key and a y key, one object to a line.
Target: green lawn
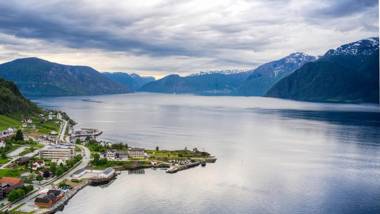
[
  {"x": 6, "y": 122},
  {"x": 176, "y": 154},
  {"x": 10, "y": 172},
  {"x": 31, "y": 149},
  {"x": 4, "y": 160},
  {"x": 45, "y": 127}
]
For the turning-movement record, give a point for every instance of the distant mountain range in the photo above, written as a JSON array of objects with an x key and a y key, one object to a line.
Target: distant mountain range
[
  {"x": 250, "y": 83},
  {"x": 268, "y": 74},
  {"x": 132, "y": 81},
  {"x": 37, "y": 77},
  {"x": 205, "y": 83},
  {"x": 349, "y": 73},
  {"x": 11, "y": 100}
]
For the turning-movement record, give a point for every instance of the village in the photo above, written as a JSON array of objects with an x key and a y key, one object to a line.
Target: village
[{"x": 44, "y": 162}]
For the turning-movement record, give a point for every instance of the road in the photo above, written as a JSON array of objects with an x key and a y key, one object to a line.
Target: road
[
  {"x": 14, "y": 158},
  {"x": 61, "y": 136},
  {"x": 85, "y": 161}
]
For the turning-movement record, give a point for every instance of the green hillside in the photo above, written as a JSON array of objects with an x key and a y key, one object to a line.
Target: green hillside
[{"x": 11, "y": 100}]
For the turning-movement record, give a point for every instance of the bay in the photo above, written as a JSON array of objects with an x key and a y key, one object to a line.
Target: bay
[{"x": 274, "y": 156}]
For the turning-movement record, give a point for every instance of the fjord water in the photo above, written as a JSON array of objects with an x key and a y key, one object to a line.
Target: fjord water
[{"x": 274, "y": 156}]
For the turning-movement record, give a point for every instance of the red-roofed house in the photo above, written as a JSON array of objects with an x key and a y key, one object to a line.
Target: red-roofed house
[{"x": 8, "y": 184}]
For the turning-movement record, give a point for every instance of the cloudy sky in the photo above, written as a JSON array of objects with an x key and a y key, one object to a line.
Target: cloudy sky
[{"x": 158, "y": 37}]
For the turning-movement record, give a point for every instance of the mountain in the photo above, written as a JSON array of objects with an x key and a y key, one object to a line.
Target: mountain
[
  {"x": 11, "y": 100},
  {"x": 349, "y": 73},
  {"x": 268, "y": 74},
  {"x": 204, "y": 83},
  {"x": 37, "y": 77},
  {"x": 132, "y": 81}
]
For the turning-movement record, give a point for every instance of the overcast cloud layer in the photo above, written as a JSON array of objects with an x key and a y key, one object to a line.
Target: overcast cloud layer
[{"x": 158, "y": 37}]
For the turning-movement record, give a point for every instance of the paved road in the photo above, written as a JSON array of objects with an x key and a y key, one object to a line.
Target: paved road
[
  {"x": 85, "y": 161},
  {"x": 61, "y": 136},
  {"x": 86, "y": 154},
  {"x": 15, "y": 157}
]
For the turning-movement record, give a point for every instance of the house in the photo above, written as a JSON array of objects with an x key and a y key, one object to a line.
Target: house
[
  {"x": 110, "y": 155},
  {"x": 38, "y": 165},
  {"x": 23, "y": 160},
  {"x": 7, "y": 133},
  {"x": 122, "y": 155},
  {"x": 115, "y": 155},
  {"x": 8, "y": 184},
  {"x": 136, "y": 153},
  {"x": 53, "y": 133},
  {"x": 49, "y": 199}
]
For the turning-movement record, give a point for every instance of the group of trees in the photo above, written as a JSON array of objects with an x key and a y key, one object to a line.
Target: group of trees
[
  {"x": 58, "y": 170},
  {"x": 12, "y": 101},
  {"x": 119, "y": 146},
  {"x": 19, "y": 192},
  {"x": 97, "y": 161},
  {"x": 94, "y": 146}
]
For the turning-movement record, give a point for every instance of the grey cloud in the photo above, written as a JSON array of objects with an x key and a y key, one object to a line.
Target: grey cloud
[
  {"x": 206, "y": 32},
  {"x": 341, "y": 8}
]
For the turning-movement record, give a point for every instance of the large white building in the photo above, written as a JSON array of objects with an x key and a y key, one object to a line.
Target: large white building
[{"x": 58, "y": 152}]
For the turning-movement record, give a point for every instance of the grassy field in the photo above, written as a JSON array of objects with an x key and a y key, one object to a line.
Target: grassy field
[
  {"x": 6, "y": 122},
  {"x": 176, "y": 154},
  {"x": 42, "y": 127},
  {"x": 9, "y": 173},
  {"x": 47, "y": 127},
  {"x": 4, "y": 160},
  {"x": 31, "y": 149}
]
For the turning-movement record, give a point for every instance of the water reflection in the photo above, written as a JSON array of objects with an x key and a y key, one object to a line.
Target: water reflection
[{"x": 274, "y": 156}]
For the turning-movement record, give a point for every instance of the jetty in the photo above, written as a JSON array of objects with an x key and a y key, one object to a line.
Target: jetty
[
  {"x": 85, "y": 133},
  {"x": 179, "y": 167}
]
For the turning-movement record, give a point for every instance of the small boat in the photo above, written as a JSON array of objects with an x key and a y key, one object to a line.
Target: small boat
[{"x": 203, "y": 163}]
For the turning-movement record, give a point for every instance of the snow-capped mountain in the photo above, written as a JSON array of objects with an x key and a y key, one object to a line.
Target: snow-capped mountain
[
  {"x": 361, "y": 47},
  {"x": 349, "y": 73},
  {"x": 266, "y": 75}
]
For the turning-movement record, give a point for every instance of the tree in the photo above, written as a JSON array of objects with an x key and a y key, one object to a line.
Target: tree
[
  {"x": 39, "y": 178},
  {"x": 60, "y": 171},
  {"x": 53, "y": 167},
  {"x": 3, "y": 155},
  {"x": 96, "y": 158},
  {"x": 16, "y": 194},
  {"x": 19, "y": 135},
  {"x": 28, "y": 188},
  {"x": 77, "y": 141},
  {"x": 62, "y": 184},
  {"x": 157, "y": 148}
]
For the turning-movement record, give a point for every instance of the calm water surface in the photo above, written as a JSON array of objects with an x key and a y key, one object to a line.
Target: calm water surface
[{"x": 274, "y": 156}]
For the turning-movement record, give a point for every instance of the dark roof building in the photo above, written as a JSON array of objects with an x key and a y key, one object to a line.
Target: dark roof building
[{"x": 48, "y": 200}]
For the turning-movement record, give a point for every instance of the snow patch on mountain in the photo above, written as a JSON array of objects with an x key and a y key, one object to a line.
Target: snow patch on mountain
[
  {"x": 361, "y": 47},
  {"x": 225, "y": 72}
]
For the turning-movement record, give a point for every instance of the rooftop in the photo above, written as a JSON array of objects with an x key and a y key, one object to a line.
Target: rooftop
[{"x": 10, "y": 180}]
